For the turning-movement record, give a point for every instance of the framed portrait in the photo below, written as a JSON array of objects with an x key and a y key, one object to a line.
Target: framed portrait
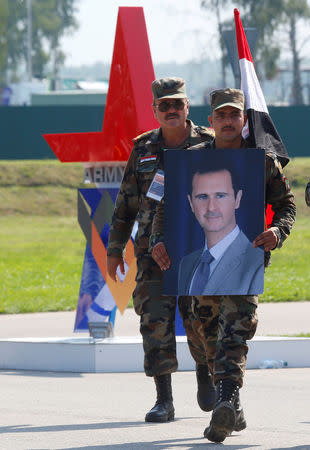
[{"x": 214, "y": 209}]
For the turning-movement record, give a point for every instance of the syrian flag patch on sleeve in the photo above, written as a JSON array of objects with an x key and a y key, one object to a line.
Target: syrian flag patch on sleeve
[{"x": 150, "y": 158}]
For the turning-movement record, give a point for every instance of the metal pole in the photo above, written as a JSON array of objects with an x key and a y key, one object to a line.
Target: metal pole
[{"x": 29, "y": 39}]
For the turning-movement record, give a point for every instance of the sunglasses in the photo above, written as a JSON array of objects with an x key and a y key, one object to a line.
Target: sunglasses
[{"x": 175, "y": 104}]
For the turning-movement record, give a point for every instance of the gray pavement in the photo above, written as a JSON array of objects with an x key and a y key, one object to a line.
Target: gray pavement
[
  {"x": 274, "y": 319},
  {"x": 106, "y": 411},
  {"x": 43, "y": 410}
]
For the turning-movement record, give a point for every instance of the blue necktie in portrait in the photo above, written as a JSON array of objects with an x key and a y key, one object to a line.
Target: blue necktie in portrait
[{"x": 202, "y": 274}]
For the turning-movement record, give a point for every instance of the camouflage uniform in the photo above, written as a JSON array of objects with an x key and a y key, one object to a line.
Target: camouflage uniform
[
  {"x": 157, "y": 313},
  {"x": 228, "y": 322}
]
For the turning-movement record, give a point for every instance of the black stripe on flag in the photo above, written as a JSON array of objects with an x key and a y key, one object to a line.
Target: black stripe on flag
[{"x": 263, "y": 134}]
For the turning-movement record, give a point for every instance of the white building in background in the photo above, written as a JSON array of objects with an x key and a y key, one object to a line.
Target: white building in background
[{"x": 19, "y": 94}]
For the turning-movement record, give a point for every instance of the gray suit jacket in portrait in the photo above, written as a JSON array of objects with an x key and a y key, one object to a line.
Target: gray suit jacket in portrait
[{"x": 240, "y": 271}]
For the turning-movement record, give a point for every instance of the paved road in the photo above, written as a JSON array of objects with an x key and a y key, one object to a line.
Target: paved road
[
  {"x": 274, "y": 319},
  {"x": 106, "y": 411}
]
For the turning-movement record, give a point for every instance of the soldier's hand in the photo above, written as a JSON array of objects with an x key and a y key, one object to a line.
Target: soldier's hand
[
  {"x": 112, "y": 263},
  {"x": 268, "y": 239},
  {"x": 160, "y": 256}
]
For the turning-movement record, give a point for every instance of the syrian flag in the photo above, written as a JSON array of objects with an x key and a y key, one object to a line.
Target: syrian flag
[{"x": 259, "y": 128}]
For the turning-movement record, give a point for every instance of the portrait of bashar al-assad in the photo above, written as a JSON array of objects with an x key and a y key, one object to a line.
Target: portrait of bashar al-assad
[{"x": 227, "y": 263}]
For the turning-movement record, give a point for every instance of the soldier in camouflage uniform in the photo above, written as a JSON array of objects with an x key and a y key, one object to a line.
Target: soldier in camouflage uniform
[
  {"x": 157, "y": 313},
  {"x": 307, "y": 194},
  {"x": 232, "y": 320}
]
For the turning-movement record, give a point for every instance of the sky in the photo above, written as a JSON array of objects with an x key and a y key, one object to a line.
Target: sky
[{"x": 178, "y": 30}]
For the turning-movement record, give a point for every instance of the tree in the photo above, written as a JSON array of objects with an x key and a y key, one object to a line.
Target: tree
[
  {"x": 217, "y": 6},
  {"x": 4, "y": 13},
  {"x": 269, "y": 17},
  {"x": 265, "y": 15},
  {"x": 294, "y": 12},
  {"x": 51, "y": 19},
  {"x": 11, "y": 38}
]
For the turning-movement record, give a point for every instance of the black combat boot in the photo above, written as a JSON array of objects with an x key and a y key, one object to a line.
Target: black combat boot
[
  {"x": 163, "y": 410},
  {"x": 224, "y": 415},
  {"x": 206, "y": 393},
  {"x": 240, "y": 420}
]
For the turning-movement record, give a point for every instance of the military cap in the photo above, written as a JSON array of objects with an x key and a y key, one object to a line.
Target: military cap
[
  {"x": 227, "y": 97},
  {"x": 169, "y": 87}
]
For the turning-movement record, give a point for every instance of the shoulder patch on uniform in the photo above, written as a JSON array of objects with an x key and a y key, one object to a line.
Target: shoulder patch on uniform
[
  {"x": 206, "y": 130},
  {"x": 142, "y": 136}
]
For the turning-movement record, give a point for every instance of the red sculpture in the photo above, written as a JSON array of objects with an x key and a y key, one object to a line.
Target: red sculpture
[{"x": 128, "y": 109}]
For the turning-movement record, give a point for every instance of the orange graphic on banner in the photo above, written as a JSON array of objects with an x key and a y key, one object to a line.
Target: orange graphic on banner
[
  {"x": 127, "y": 114},
  {"x": 121, "y": 290}
]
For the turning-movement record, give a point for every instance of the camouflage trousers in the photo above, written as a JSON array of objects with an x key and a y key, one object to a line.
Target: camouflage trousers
[
  {"x": 227, "y": 323},
  {"x": 157, "y": 321}
]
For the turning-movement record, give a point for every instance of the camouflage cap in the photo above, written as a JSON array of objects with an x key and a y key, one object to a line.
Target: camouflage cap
[
  {"x": 227, "y": 97},
  {"x": 170, "y": 87}
]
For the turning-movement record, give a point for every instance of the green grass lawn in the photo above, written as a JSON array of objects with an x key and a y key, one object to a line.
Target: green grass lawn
[
  {"x": 40, "y": 263},
  {"x": 288, "y": 277},
  {"x": 42, "y": 246}
]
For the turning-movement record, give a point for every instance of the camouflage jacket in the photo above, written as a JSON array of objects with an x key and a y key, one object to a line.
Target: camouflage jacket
[
  {"x": 132, "y": 204},
  {"x": 278, "y": 195}
]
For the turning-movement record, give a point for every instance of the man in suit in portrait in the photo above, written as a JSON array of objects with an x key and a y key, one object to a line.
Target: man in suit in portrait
[{"x": 227, "y": 263}]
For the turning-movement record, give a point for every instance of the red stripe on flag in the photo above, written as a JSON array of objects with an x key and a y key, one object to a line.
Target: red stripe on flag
[{"x": 243, "y": 48}]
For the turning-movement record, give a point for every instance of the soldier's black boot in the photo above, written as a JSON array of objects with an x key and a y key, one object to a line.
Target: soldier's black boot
[
  {"x": 206, "y": 393},
  {"x": 240, "y": 420},
  {"x": 163, "y": 410},
  {"x": 223, "y": 419}
]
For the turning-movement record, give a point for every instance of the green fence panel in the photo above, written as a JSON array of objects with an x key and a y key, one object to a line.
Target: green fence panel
[
  {"x": 292, "y": 125},
  {"x": 22, "y": 127}
]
